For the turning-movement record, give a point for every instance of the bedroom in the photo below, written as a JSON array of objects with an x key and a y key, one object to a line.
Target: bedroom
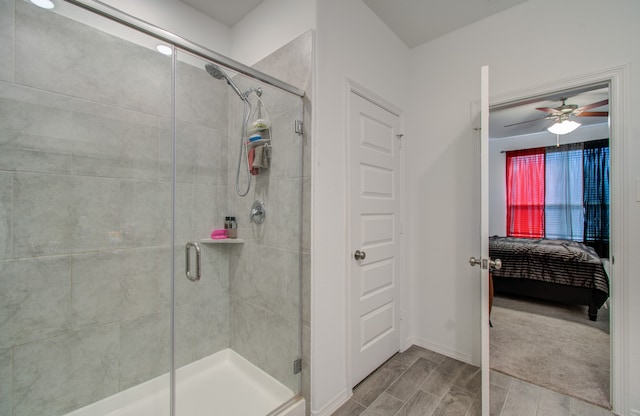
[{"x": 552, "y": 293}]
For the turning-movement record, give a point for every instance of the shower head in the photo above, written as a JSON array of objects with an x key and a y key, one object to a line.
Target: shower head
[{"x": 218, "y": 73}]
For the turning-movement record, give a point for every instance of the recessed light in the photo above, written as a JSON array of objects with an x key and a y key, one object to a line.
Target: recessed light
[
  {"x": 164, "y": 49},
  {"x": 45, "y": 4}
]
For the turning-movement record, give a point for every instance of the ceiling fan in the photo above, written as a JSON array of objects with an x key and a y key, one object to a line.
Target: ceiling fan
[{"x": 562, "y": 113}]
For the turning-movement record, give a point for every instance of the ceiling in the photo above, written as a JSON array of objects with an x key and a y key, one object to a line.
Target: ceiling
[
  {"x": 525, "y": 110},
  {"x": 224, "y": 11},
  {"x": 419, "y": 21},
  {"x": 416, "y": 22}
]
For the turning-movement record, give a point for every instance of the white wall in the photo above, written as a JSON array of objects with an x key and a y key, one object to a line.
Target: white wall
[
  {"x": 269, "y": 26},
  {"x": 445, "y": 75},
  {"x": 497, "y": 165},
  {"x": 351, "y": 42}
]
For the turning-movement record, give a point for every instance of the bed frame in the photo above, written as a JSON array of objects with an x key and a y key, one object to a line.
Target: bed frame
[
  {"x": 548, "y": 291},
  {"x": 556, "y": 270}
]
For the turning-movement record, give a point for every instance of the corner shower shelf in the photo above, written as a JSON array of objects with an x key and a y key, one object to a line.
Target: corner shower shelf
[{"x": 222, "y": 241}]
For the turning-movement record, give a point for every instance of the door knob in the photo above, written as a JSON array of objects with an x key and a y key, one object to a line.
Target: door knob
[
  {"x": 495, "y": 264},
  {"x": 359, "y": 255}
]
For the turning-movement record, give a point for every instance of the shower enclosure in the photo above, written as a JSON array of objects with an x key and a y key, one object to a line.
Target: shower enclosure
[{"x": 113, "y": 157}]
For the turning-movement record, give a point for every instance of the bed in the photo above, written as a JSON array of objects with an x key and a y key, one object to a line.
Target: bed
[{"x": 557, "y": 270}]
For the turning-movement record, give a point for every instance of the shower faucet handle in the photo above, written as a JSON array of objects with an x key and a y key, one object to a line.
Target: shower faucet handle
[{"x": 258, "y": 212}]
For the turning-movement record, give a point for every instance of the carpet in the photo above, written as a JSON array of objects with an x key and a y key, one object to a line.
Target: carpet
[
  {"x": 568, "y": 357},
  {"x": 574, "y": 313}
]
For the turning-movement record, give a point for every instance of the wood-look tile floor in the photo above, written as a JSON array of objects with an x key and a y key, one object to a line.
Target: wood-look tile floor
[{"x": 419, "y": 382}]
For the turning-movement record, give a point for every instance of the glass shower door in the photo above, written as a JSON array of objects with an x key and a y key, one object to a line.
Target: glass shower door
[
  {"x": 85, "y": 212},
  {"x": 237, "y": 323}
]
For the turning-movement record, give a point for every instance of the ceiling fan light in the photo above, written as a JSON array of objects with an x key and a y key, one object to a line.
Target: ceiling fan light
[{"x": 567, "y": 126}]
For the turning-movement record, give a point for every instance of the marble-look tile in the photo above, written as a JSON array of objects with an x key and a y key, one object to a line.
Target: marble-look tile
[
  {"x": 214, "y": 281},
  {"x": 414, "y": 352},
  {"x": 185, "y": 216},
  {"x": 47, "y": 133},
  {"x": 35, "y": 299},
  {"x": 57, "y": 375},
  {"x": 210, "y": 207},
  {"x": 455, "y": 403},
  {"x": 120, "y": 285},
  {"x": 469, "y": 378},
  {"x": 201, "y": 153},
  {"x": 247, "y": 273},
  {"x": 420, "y": 404},
  {"x": 281, "y": 348},
  {"x": 476, "y": 407},
  {"x": 202, "y": 329},
  {"x": 65, "y": 214},
  {"x": 35, "y": 161},
  {"x": 7, "y": 32},
  {"x": 6, "y": 381},
  {"x": 497, "y": 397},
  {"x": 200, "y": 98},
  {"x": 378, "y": 382},
  {"x": 582, "y": 408},
  {"x": 499, "y": 379},
  {"x": 287, "y": 146},
  {"x": 553, "y": 404},
  {"x": 283, "y": 227},
  {"x": 292, "y": 62},
  {"x": 441, "y": 379},
  {"x": 6, "y": 215},
  {"x": 350, "y": 408},
  {"x": 405, "y": 386},
  {"x": 58, "y": 54},
  {"x": 281, "y": 281},
  {"x": 248, "y": 330},
  {"x": 522, "y": 399},
  {"x": 145, "y": 213},
  {"x": 384, "y": 405},
  {"x": 145, "y": 345}
]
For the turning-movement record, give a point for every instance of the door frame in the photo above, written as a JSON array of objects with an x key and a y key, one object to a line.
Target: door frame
[
  {"x": 352, "y": 86},
  {"x": 617, "y": 77}
]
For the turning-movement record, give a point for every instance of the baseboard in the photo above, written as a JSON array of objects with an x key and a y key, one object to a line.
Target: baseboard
[
  {"x": 333, "y": 405},
  {"x": 466, "y": 358}
]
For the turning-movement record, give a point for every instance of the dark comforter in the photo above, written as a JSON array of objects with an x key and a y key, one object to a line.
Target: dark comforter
[{"x": 555, "y": 261}]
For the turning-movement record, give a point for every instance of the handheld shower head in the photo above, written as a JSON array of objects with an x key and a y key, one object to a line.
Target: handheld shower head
[{"x": 218, "y": 73}]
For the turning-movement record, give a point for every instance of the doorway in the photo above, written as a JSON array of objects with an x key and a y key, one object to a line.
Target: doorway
[{"x": 519, "y": 322}]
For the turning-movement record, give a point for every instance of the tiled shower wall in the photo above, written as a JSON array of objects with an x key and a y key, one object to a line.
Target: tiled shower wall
[
  {"x": 266, "y": 290},
  {"x": 85, "y": 212}
]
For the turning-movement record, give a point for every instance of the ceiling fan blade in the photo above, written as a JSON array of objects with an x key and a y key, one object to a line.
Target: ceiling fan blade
[
  {"x": 593, "y": 114},
  {"x": 549, "y": 110},
  {"x": 594, "y": 105},
  {"x": 528, "y": 121}
]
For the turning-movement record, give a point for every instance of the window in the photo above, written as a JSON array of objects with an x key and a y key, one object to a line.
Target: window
[
  {"x": 560, "y": 192},
  {"x": 525, "y": 193}
]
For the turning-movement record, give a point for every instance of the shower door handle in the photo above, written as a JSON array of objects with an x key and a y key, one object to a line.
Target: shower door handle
[{"x": 187, "y": 261}]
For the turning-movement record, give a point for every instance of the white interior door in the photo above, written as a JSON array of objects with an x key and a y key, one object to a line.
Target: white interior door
[
  {"x": 484, "y": 235},
  {"x": 374, "y": 147}
]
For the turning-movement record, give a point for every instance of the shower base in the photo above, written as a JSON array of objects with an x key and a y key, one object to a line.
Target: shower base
[{"x": 223, "y": 383}]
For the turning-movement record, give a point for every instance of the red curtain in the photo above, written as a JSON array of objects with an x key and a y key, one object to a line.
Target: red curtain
[{"x": 525, "y": 193}]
